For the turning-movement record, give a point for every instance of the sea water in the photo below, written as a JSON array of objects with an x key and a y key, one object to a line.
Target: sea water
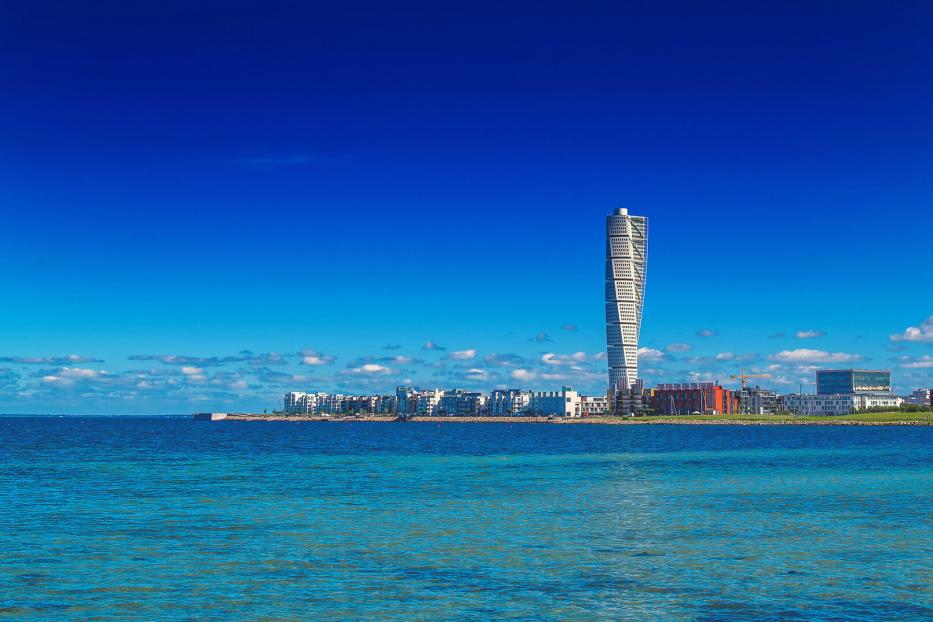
[{"x": 169, "y": 518}]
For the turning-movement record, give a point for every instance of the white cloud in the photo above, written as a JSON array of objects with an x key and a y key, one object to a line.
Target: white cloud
[
  {"x": 809, "y": 334},
  {"x": 477, "y": 374},
  {"x": 371, "y": 369},
  {"x": 430, "y": 345},
  {"x": 725, "y": 356},
  {"x": 49, "y": 360},
  {"x": 313, "y": 357},
  {"x": 924, "y": 362},
  {"x": 402, "y": 360},
  {"x": 649, "y": 354},
  {"x": 523, "y": 374},
  {"x": 191, "y": 371},
  {"x": 57, "y": 381},
  {"x": 600, "y": 356},
  {"x": 541, "y": 337},
  {"x": 678, "y": 347},
  {"x": 706, "y": 332},
  {"x": 923, "y": 333},
  {"x": 463, "y": 355},
  {"x": 78, "y": 372},
  {"x": 804, "y": 355},
  {"x": 563, "y": 359}
]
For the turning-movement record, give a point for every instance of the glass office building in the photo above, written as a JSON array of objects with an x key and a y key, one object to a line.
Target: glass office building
[{"x": 847, "y": 381}]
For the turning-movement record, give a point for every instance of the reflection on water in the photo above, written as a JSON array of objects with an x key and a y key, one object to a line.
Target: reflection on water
[{"x": 171, "y": 518}]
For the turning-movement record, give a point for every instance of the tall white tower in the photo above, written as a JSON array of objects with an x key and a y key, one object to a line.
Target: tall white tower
[{"x": 626, "y": 260}]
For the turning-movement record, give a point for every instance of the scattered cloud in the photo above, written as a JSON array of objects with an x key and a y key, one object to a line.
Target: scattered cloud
[
  {"x": 523, "y": 374},
  {"x": 649, "y": 354},
  {"x": 244, "y": 356},
  {"x": 369, "y": 369},
  {"x": 463, "y": 355},
  {"x": 706, "y": 332},
  {"x": 922, "y": 333},
  {"x": 804, "y": 355},
  {"x": 400, "y": 360},
  {"x": 506, "y": 360},
  {"x": 430, "y": 345},
  {"x": 391, "y": 346},
  {"x": 809, "y": 334},
  {"x": 541, "y": 337},
  {"x": 569, "y": 327},
  {"x": 725, "y": 356},
  {"x": 78, "y": 372},
  {"x": 563, "y": 359},
  {"x": 50, "y": 360},
  {"x": 313, "y": 357},
  {"x": 477, "y": 374},
  {"x": 923, "y": 362},
  {"x": 678, "y": 347}
]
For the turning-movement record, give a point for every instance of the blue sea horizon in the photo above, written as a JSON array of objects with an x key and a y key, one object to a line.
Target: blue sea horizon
[{"x": 168, "y": 518}]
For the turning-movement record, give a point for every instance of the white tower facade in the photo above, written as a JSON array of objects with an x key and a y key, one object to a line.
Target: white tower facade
[{"x": 626, "y": 261}]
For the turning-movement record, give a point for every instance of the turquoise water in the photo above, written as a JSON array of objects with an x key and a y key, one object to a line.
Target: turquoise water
[{"x": 176, "y": 519}]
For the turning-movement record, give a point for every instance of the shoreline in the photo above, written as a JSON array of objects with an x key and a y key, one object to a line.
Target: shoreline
[{"x": 583, "y": 420}]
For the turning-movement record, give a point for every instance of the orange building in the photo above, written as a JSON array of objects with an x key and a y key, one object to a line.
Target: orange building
[{"x": 707, "y": 398}]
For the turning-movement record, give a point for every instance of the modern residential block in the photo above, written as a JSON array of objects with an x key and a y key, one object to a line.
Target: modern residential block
[{"x": 626, "y": 259}]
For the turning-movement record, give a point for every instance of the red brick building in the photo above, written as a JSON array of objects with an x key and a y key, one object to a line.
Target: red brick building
[{"x": 707, "y": 398}]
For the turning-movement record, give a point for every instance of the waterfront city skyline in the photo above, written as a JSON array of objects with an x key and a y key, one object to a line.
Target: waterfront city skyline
[{"x": 343, "y": 201}]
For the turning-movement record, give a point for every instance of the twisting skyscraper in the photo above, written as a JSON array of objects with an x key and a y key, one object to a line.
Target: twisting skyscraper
[{"x": 626, "y": 259}]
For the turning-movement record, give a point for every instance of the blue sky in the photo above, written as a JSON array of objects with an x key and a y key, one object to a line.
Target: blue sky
[{"x": 203, "y": 207}]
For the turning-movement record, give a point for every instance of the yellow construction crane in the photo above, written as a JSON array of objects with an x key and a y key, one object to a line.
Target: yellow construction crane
[{"x": 744, "y": 377}]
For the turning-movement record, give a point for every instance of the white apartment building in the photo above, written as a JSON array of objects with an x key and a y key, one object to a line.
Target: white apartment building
[
  {"x": 460, "y": 403},
  {"x": 593, "y": 405},
  {"x": 563, "y": 403},
  {"x": 808, "y": 405},
  {"x": 877, "y": 400},
  {"x": 299, "y": 403},
  {"x": 920, "y": 397},
  {"x": 508, "y": 402},
  {"x": 420, "y": 402},
  {"x": 758, "y": 401}
]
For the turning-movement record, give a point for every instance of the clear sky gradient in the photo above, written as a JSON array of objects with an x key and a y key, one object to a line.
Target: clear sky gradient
[{"x": 206, "y": 204}]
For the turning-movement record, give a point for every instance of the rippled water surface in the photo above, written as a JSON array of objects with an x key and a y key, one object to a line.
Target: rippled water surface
[{"x": 176, "y": 519}]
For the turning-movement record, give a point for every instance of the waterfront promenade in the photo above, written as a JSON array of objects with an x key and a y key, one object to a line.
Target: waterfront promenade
[{"x": 862, "y": 419}]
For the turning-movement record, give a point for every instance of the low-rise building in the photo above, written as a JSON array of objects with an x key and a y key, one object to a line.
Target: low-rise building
[
  {"x": 919, "y": 397},
  {"x": 563, "y": 403},
  {"x": 706, "y": 398},
  {"x": 879, "y": 400},
  {"x": 594, "y": 405},
  {"x": 631, "y": 401},
  {"x": 508, "y": 403},
  {"x": 460, "y": 403},
  {"x": 758, "y": 401},
  {"x": 299, "y": 403},
  {"x": 810, "y": 405}
]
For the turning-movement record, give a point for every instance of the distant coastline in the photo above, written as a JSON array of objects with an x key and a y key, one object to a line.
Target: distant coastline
[{"x": 871, "y": 419}]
